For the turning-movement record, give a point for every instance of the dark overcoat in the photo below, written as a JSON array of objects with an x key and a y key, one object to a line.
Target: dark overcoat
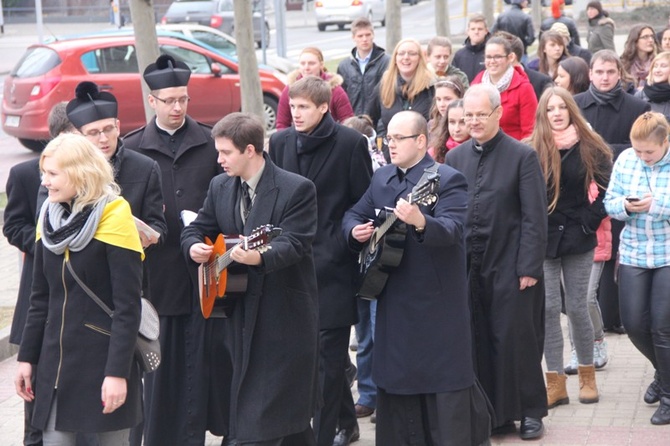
[
  {"x": 186, "y": 174},
  {"x": 381, "y": 115},
  {"x": 341, "y": 172},
  {"x": 470, "y": 58},
  {"x": 362, "y": 87},
  {"x": 67, "y": 336},
  {"x": 614, "y": 119},
  {"x": 506, "y": 239},
  {"x": 20, "y": 219},
  {"x": 422, "y": 336},
  {"x": 274, "y": 325}
]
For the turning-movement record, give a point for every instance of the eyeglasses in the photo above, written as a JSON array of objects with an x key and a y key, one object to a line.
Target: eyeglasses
[
  {"x": 647, "y": 37},
  {"x": 479, "y": 117},
  {"x": 407, "y": 53},
  {"x": 496, "y": 57},
  {"x": 171, "y": 101},
  {"x": 395, "y": 139},
  {"x": 95, "y": 133}
]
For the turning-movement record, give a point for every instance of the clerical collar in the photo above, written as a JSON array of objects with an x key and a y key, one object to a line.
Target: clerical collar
[
  {"x": 170, "y": 132},
  {"x": 253, "y": 181},
  {"x": 403, "y": 171}
]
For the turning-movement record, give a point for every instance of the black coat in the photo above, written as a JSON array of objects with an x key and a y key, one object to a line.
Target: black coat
[
  {"x": 63, "y": 318},
  {"x": 538, "y": 80},
  {"x": 578, "y": 51},
  {"x": 274, "y": 326},
  {"x": 614, "y": 119},
  {"x": 567, "y": 21},
  {"x": 186, "y": 174},
  {"x": 20, "y": 219},
  {"x": 381, "y": 115},
  {"x": 362, "y": 87},
  {"x": 516, "y": 22},
  {"x": 425, "y": 301},
  {"x": 573, "y": 223},
  {"x": 506, "y": 239},
  {"x": 470, "y": 58},
  {"x": 341, "y": 172}
]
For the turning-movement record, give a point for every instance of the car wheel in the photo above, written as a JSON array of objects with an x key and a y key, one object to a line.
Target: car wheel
[
  {"x": 321, "y": 26},
  {"x": 384, "y": 22},
  {"x": 36, "y": 145},
  {"x": 340, "y": 26},
  {"x": 270, "y": 106}
]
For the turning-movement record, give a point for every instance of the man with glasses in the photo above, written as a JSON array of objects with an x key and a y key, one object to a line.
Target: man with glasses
[
  {"x": 178, "y": 394},
  {"x": 506, "y": 235},
  {"x": 336, "y": 159},
  {"x": 426, "y": 386}
]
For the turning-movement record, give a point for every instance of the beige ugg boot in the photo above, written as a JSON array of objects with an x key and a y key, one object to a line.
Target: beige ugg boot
[
  {"x": 588, "y": 391},
  {"x": 557, "y": 394}
]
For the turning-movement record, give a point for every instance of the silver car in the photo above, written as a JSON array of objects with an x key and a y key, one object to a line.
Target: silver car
[
  {"x": 217, "y": 14},
  {"x": 343, "y": 12}
]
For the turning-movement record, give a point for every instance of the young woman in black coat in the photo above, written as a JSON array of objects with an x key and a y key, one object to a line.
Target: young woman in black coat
[{"x": 86, "y": 377}]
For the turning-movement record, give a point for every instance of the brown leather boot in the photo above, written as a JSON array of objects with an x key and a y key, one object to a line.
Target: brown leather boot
[
  {"x": 557, "y": 394},
  {"x": 588, "y": 391}
]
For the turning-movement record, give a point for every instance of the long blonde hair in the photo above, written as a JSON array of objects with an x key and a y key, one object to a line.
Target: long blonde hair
[
  {"x": 593, "y": 150},
  {"x": 422, "y": 79},
  {"x": 85, "y": 167}
]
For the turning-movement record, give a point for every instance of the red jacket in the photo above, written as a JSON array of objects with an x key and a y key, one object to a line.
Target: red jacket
[
  {"x": 340, "y": 107},
  {"x": 519, "y": 104}
]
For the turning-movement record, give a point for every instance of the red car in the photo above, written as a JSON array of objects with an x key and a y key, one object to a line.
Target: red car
[{"x": 48, "y": 74}]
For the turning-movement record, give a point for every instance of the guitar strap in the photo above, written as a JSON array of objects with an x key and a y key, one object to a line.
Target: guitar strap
[{"x": 426, "y": 172}]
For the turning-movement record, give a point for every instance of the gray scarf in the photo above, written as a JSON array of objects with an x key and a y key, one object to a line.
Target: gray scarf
[
  {"x": 58, "y": 218},
  {"x": 503, "y": 83}
]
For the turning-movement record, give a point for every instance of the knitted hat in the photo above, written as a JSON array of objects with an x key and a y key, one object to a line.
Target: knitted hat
[
  {"x": 90, "y": 105},
  {"x": 595, "y": 5},
  {"x": 166, "y": 73},
  {"x": 560, "y": 28}
]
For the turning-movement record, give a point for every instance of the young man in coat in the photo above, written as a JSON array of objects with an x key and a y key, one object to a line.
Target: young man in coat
[
  {"x": 336, "y": 159},
  {"x": 516, "y": 22},
  {"x": 272, "y": 333},
  {"x": 470, "y": 58},
  {"x": 363, "y": 71},
  {"x": 611, "y": 112},
  {"x": 177, "y": 395},
  {"x": 427, "y": 391},
  {"x": 20, "y": 221},
  {"x": 506, "y": 235}
]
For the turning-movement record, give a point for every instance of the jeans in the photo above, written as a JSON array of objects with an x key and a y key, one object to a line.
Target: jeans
[
  {"x": 592, "y": 302},
  {"x": 575, "y": 271},
  {"x": 644, "y": 298},
  {"x": 365, "y": 329}
]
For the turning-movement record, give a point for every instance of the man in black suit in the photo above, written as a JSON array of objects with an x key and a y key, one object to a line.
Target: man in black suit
[
  {"x": 272, "y": 333},
  {"x": 337, "y": 160}
]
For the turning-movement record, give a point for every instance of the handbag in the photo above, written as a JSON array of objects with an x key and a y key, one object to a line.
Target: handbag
[{"x": 147, "y": 347}]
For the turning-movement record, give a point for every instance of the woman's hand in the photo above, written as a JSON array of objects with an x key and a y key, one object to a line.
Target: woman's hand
[
  {"x": 22, "y": 381},
  {"x": 114, "y": 390},
  {"x": 641, "y": 205}
]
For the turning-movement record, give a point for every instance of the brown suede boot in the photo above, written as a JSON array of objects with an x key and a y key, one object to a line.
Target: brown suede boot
[
  {"x": 557, "y": 394},
  {"x": 588, "y": 391}
]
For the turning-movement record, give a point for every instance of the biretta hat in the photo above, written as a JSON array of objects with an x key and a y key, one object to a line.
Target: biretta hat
[
  {"x": 166, "y": 72},
  {"x": 90, "y": 105}
]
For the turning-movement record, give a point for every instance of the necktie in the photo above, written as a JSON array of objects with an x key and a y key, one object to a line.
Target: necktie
[{"x": 246, "y": 200}]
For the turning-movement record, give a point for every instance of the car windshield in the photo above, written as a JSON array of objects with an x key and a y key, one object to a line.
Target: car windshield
[
  {"x": 36, "y": 62},
  {"x": 220, "y": 43}
]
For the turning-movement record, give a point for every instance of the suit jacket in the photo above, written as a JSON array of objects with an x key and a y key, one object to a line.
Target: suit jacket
[
  {"x": 186, "y": 174},
  {"x": 341, "y": 172},
  {"x": 20, "y": 218},
  {"x": 275, "y": 324},
  {"x": 425, "y": 301}
]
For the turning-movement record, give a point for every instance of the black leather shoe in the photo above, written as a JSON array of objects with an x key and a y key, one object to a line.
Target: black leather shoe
[
  {"x": 508, "y": 427},
  {"x": 346, "y": 436},
  {"x": 662, "y": 414},
  {"x": 531, "y": 428},
  {"x": 653, "y": 393}
]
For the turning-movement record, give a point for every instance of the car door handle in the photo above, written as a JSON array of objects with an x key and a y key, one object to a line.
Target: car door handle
[{"x": 105, "y": 87}]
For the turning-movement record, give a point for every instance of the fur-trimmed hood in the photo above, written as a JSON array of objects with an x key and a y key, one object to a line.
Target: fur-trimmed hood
[
  {"x": 605, "y": 21},
  {"x": 334, "y": 79}
]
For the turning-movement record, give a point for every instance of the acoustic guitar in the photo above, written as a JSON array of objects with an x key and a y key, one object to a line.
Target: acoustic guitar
[
  {"x": 384, "y": 251},
  {"x": 220, "y": 278}
]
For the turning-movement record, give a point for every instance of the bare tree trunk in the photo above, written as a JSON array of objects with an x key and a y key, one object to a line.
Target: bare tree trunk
[
  {"x": 393, "y": 24},
  {"x": 146, "y": 42},
  {"x": 536, "y": 14},
  {"x": 442, "y": 25},
  {"x": 250, "y": 81},
  {"x": 487, "y": 10}
]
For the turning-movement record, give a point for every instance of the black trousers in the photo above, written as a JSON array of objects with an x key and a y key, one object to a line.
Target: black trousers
[
  {"x": 333, "y": 357},
  {"x": 644, "y": 297}
]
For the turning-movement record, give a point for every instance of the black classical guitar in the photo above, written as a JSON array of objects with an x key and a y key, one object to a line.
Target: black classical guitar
[{"x": 384, "y": 250}]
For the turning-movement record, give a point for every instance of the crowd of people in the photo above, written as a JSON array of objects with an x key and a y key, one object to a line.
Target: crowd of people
[{"x": 447, "y": 206}]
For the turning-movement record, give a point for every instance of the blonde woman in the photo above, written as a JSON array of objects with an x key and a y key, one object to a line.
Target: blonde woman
[
  {"x": 311, "y": 63},
  {"x": 572, "y": 157},
  {"x": 657, "y": 89},
  {"x": 82, "y": 360},
  {"x": 407, "y": 84}
]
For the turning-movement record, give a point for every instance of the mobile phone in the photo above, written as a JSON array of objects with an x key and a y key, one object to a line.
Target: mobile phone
[{"x": 632, "y": 199}]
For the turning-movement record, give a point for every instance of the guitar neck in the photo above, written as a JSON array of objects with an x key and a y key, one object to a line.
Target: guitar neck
[
  {"x": 384, "y": 227},
  {"x": 224, "y": 261}
]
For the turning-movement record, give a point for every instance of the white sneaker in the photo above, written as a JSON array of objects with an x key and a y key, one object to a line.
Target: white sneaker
[
  {"x": 600, "y": 357},
  {"x": 572, "y": 367}
]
